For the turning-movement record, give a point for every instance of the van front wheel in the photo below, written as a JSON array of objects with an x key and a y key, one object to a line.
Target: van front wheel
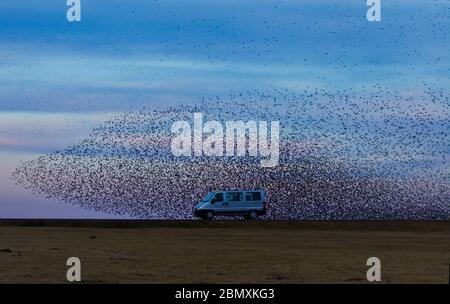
[{"x": 208, "y": 215}]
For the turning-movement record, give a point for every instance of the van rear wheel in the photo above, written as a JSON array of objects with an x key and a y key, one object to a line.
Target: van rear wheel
[{"x": 252, "y": 215}]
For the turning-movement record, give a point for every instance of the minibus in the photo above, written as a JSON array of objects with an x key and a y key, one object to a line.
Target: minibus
[{"x": 247, "y": 203}]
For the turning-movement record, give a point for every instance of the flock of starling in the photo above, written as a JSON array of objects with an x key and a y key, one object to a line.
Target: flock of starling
[
  {"x": 377, "y": 150},
  {"x": 372, "y": 153}
]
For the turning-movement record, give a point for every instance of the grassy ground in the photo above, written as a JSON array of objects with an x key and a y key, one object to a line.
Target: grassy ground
[{"x": 224, "y": 252}]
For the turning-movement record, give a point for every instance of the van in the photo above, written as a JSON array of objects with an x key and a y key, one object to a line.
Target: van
[{"x": 249, "y": 203}]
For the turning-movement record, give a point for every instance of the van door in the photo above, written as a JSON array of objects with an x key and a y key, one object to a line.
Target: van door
[
  {"x": 234, "y": 201},
  {"x": 217, "y": 202},
  {"x": 254, "y": 200}
]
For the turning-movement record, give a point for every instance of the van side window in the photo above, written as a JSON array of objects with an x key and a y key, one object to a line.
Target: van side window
[
  {"x": 218, "y": 198},
  {"x": 234, "y": 196},
  {"x": 253, "y": 196}
]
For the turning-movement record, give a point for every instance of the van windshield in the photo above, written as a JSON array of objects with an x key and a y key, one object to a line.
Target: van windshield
[{"x": 208, "y": 197}]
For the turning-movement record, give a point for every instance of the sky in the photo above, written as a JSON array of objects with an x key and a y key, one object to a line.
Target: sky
[{"x": 58, "y": 80}]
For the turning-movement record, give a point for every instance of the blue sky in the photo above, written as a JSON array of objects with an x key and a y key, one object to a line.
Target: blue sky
[
  {"x": 146, "y": 51},
  {"x": 60, "y": 79}
]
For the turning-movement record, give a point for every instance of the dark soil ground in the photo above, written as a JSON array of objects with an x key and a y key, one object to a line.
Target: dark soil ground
[{"x": 223, "y": 252}]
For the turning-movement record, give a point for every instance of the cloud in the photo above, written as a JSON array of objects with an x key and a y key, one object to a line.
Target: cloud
[{"x": 40, "y": 132}]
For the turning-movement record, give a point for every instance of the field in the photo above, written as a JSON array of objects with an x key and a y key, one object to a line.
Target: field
[{"x": 223, "y": 252}]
